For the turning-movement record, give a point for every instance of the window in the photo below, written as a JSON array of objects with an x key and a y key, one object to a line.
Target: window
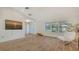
[{"x": 57, "y": 26}]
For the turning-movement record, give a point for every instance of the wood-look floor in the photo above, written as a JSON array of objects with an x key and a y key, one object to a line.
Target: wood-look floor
[{"x": 38, "y": 43}]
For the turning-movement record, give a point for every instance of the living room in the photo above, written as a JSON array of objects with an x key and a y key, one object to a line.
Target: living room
[{"x": 45, "y": 23}]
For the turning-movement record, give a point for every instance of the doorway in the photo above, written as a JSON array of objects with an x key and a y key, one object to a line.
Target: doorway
[{"x": 30, "y": 28}]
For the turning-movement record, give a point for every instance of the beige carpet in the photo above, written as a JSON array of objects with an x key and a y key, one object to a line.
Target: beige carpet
[{"x": 37, "y": 43}]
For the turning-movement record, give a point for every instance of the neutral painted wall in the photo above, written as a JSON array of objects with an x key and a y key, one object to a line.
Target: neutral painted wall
[
  {"x": 69, "y": 15},
  {"x": 55, "y": 14},
  {"x": 40, "y": 26},
  {"x": 50, "y": 14},
  {"x": 8, "y": 13}
]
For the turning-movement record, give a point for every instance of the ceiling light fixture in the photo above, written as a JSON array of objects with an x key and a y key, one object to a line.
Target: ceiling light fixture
[
  {"x": 29, "y": 14},
  {"x": 28, "y": 21},
  {"x": 26, "y": 7}
]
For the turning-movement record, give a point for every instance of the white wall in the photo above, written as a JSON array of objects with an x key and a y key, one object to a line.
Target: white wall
[
  {"x": 8, "y": 13},
  {"x": 41, "y": 15},
  {"x": 66, "y": 36},
  {"x": 70, "y": 15}
]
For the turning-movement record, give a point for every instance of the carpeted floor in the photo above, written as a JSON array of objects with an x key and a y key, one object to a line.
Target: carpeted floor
[{"x": 37, "y": 43}]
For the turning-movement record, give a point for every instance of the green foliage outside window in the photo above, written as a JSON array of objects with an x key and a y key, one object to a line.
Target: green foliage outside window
[{"x": 58, "y": 27}]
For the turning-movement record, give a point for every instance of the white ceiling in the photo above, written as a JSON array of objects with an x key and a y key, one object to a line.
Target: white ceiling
[{"x": 42, "y": 13}]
